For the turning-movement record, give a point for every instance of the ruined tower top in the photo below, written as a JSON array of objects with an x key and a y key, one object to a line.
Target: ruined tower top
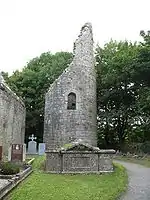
[
  {"x": 85, "y": 31},
  {"x": 85, "y": 38}
]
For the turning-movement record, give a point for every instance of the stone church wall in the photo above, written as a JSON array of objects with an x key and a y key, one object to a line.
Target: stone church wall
[
  {"x": 64, "y": 125},
  {"x": 12, "y": 119}
]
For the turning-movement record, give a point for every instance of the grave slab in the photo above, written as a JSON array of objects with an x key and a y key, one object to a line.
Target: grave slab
[
  {"x": 16, "y": 152},
  {"x": 41, "y": 150},
  {"x": 32, "y": 145}
]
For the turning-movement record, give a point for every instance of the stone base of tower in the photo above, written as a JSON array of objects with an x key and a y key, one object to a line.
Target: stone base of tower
[{"x": 79, "y": 158}]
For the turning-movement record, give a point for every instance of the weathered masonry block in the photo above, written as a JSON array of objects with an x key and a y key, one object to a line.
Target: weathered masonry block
[
  {"x": 79, "y": 158},
  {"x": 12, "y": 118}
]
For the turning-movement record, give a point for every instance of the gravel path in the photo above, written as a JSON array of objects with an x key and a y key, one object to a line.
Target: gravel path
[{"x": 139, "y": 182}]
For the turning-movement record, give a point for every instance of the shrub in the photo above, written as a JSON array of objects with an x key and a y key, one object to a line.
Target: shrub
[
  {"x": 8, "y": 168},
  {"x": 145, "y": 147}
]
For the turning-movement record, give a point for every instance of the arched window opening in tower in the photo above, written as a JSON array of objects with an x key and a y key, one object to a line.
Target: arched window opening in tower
[{"x": 71, "y": 101}]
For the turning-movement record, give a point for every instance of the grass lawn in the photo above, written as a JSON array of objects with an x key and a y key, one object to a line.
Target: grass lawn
[
  {"x": 142, "y": 161},
  {"x": 42, "y": 186}
]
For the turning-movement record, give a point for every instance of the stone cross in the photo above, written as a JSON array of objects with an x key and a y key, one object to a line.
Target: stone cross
[
  {"x": 32, "y": 145},
  {"x": 32, "y": 138}
]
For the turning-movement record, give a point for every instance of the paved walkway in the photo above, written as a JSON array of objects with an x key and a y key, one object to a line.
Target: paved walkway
[
  {"x": 139, "y": 182},
  {"x": 3, "y": 182}
]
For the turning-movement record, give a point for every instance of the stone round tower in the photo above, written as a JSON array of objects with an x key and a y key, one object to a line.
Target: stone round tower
[{"x": 70, "y": 103}]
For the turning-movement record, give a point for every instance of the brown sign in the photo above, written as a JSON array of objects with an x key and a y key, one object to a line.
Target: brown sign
[
  {"x": 17, "y": 152},
  {"x": 0, "y": 152}
]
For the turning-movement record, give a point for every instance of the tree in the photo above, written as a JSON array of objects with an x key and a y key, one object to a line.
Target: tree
[
  {"x": 33, "y": 82},
  {"x": 116, "y": 91},
  {"x": 142, "y": 79}
]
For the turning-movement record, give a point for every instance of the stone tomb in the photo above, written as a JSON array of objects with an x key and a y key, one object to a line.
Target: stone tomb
[
  {"x": 79, "y": 158},
  {"x": 41, "y": 149},
  {"x": 17, "y": 153},
  {"x": 32, "y": 145}
]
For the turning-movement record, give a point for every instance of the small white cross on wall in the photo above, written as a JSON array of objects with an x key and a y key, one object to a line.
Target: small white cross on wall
[{"x": 32, "y": 138}]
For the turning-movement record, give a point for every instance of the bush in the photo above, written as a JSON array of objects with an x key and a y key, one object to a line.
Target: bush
[
  {"x": 8, "y": 168},
  {"x": 145, "y": 147}
]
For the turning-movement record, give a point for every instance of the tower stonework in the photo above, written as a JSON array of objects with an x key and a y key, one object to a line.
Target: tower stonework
[{"x": 70, "y": 103}]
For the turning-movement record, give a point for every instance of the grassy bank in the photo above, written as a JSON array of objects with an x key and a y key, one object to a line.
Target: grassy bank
[{"x": 41, "y": 186}]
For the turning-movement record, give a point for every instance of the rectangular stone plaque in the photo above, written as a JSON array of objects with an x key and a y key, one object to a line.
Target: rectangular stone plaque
[
  {"x": 41, "y": 148},
  {"x": 80, "y": 162}
]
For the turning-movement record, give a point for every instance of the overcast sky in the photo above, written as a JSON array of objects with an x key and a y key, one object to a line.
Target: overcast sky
[{"x": 31, "y": 27}]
